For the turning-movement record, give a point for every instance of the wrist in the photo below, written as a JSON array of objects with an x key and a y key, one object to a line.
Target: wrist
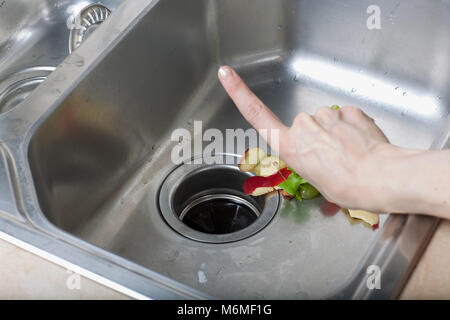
[
  {"x": 396, "y": 191},
  {"x": 386, "y": 178}
]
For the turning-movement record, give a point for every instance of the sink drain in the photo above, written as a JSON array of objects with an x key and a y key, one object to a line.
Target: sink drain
[
  {"x": 85, "y": 23},
  {"x": 206, "y": 203},
  {"x": 18, "y": 86},
  {"x": 219, "y": 214}
]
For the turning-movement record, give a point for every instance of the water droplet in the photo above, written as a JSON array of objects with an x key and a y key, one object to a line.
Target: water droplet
[
  {"x": 297, "y": 77},
  {"x": 404, "y": 93},
  {"x": 396, "y": 88},
  {"x": 277, "y": 80},
  {"x": 280, "y": 26},
  {"x": 353, "y": 90},
  {"x": 404, "y": 112}
]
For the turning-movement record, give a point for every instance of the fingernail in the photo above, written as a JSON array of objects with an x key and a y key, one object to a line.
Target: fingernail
[{"x": 224, "y": 72}]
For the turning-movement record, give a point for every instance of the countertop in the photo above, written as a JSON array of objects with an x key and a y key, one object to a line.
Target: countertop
[
  {"x": 431, "y": 277},
  {"x": 24, "y": 275}
]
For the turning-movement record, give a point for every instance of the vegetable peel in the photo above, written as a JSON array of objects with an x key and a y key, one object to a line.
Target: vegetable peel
[
  {"x": 366, "y": 216},
  {"x": 255, "y": 182}
]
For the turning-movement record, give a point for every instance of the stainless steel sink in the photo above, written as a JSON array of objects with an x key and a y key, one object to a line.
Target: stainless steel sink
[{"x": 85, "y": 157}]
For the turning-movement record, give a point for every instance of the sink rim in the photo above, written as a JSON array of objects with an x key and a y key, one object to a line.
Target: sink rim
[{"x": 48, "y": 97}]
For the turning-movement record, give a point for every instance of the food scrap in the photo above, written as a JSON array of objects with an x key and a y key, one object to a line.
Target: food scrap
[
  {"x": 272, "y": 173},
  {"x": 366, "y": 216}
]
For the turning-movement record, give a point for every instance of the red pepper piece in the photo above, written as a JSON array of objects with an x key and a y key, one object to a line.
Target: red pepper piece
[{"x": 255, "y": 182}]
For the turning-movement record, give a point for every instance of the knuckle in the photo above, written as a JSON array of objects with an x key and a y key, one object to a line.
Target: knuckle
[
  {"x": 254, "y": 109},
  {"x": 352, "y": 110},
  {"x": 302, "y": 118},
  {"x": 324, "y": 112},
  {"x": 354, "y": 114},
  {"x": 349, "y": 108}
]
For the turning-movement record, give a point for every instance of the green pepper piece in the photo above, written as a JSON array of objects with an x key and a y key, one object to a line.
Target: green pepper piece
[
  {"x": 292, "y": 184},
  {"x": 298, "y": 196},
  {"x": 308, "y": 192}
]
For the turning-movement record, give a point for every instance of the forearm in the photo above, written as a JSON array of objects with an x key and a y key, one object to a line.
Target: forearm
[{"x": 418, "y": 181}]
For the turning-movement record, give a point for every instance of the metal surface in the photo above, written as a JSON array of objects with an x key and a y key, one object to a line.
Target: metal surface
[{"x": 89, "y": 149}]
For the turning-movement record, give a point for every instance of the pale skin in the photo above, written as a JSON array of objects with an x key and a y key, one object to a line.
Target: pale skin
[{"x": 348, "y": 159}]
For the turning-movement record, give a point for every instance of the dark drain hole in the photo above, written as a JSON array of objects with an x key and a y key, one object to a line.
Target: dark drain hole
[
  {"x": 207, "y": 204},
  {"x": 219, "y": 214}
]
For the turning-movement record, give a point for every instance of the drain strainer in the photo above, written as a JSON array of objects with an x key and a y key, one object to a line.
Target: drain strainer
[
  {"x": 85, "y": 23},
  {"x": 206, "y": 202},
  {"x": 219, "y": 213},
  {"x": 18, "y": 86}
]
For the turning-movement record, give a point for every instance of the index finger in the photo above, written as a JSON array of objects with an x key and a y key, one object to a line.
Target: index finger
[{"x": 250, "y": 106}]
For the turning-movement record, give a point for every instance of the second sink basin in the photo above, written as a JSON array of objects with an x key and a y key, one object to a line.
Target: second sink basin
[{"x": 36, "y": 36}]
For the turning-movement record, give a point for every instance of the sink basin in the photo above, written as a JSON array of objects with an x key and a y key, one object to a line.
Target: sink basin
[{"x": 91, "y": 149}]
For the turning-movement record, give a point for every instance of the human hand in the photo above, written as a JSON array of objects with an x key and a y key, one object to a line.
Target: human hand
[{"x": 338, "y": 151}]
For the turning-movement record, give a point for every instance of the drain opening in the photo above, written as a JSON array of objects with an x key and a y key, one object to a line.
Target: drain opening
[
  {"x": 219, "y": 214},
  {"x": 206, "y": 203},
  {"x": 86, "y": 22}
]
